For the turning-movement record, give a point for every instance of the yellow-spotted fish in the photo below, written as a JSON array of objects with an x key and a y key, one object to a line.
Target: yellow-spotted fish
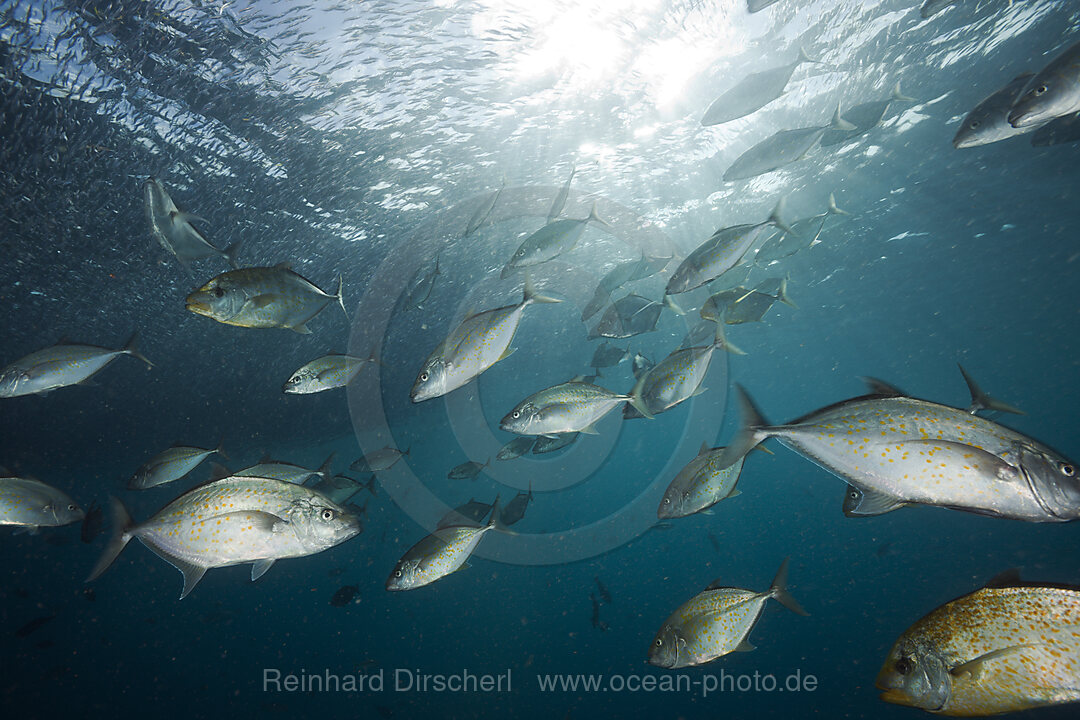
[
  {"x": 480, "y": 341},
  {"x": 566, "y": 408},
  {"x": 60, "y": 366},
  {"x": 1009, "y": 646},
  {"x": 325, "y": 373},
  {"x": 170, "y": 464},
  {"x": 675, "y": 379},
  {"x": 716, "y": 622},
  {"x": 262, "y": 297},
  {"x": 899, "y": 450},
  {"x": 699, "y": 485},
  {"x": 439, "y": 554},
  {"x": 32, "y": 504},
  {"x": 232, "y": 521}
]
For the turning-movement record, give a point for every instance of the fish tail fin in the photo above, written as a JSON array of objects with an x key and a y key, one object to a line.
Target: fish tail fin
[
  {"x": 782, "y": 295},
  {"x": 218, "y": 471},
  {"x": 233, "y": 251},
  {"x": 121, "y": 523},
  {"x": 593, "y": 217},
  {"x": 779, "y": 590},
  {"x": 371, "y": 487},
  {"x": 833, "y": 208},
  {"x": 220, "y": 449},
  {"x": 340, "y": 296},
  {"x": 899, "y": 96},
  {"x": 838, "y": 121},
  {"x": 776, "y": 217},
  {"x": 532, "y": 296},
  {"x": 804, "y": 57},
  {"x": 132, "y": 349},
  {"x": 720, "y": 341},
  {"x": 981, "y": 401},
  {"x": 637, "y": 401},
  {"x": 326, "y": 469},
  {"x": 754, "y": 430},
  {"x": 671, "y": 305}
]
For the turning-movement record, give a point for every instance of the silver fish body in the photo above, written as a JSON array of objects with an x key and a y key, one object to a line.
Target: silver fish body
[
  {"x": 32, "y": 504},
  {"x": 438, "y": 554},
  {"x": 169, "y": 465},
  {"x": 173, "y": 228},
  {"x": 232, "y": 521},
  {"x": 702, "y": 483},
  {"x": 988, "y": 122},
  {"x": 899, "y": 451},
  {"x": 325, "y": 373},
  {"x": 752, "y": 93},
  {"x": 59, "y": 366},
  {"x": 262, "y": 297},
  {"x": 565, "y": 408},
  {"x": 480, "y": 341},
  {"x": 550, "y": 241}
]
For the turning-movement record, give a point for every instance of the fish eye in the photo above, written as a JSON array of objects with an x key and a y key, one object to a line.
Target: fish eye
[
  {"x": 1041, "y": 89},
  {"x": 397, "y": 573},
  {"x": 516, "y": 414},
  {"x": 667, "y": 501},
  {"x": 218, "y": 292},
  {"x": 854, "y": 495},
  {"x": 659, "y": 642},
  {"x": 974, "y": 124},
  {"x": 519, "y": 253},
  {"x": 903, "y": 666},
  {"x": 327, "y": 514},
  {"x": 1066, "y": 469},
  {"x": 423, "y": 377},
  {"x": 73, "y": 507}
]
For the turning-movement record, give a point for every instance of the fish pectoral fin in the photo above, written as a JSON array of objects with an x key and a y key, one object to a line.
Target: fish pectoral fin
[
  {"x": 258, "y": 520},
  {"x": 590, "y": 429},
  {"x": 259, "y": 568},
  {"x": 745, "y": 646},
  {"x": 735, "y": 492},
  {"x": 506, "y": 353},
  {"x": 302, "y": 328},
  {"x": 985, "y": 461},
  {"x": 974, "y": 667},
  {"x": 261, "y": 301},
  {"x": 868, "y": 503}
]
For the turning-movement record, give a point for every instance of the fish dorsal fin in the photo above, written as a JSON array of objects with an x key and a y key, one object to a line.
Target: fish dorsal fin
[
  {"x": 218, "y": 471},
  {"x": 262, "y": 521},
  {"x": 868, "y": 503},
  {"x": 704, "y": 448},
  {"x": 745, "y": 646},
  {"x": 880, "y": 387},
  {"x": 981, "y": 401},
  {"x": 259, "y": 568},
  {"x": 1006, "y": 578},
  {"x": 717, "y": 585},
  {"x": 265, "y": 458},
  {"x": 286, "y": 265}
]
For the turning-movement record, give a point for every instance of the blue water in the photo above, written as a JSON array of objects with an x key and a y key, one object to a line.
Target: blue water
[{"x": 358, "y": 139}]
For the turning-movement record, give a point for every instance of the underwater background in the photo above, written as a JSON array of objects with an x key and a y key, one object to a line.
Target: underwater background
[{"x": 359, "y": 139}]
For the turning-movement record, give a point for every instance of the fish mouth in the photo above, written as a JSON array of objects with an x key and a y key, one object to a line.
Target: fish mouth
[
  {"x": 197, "y": 306},
  {"x": 896, "y": 697}
]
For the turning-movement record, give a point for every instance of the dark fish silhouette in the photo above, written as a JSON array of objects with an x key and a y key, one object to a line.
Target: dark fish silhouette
[
  {"x": 92, "y": 522},
  {"x": 344, "y": 595}
]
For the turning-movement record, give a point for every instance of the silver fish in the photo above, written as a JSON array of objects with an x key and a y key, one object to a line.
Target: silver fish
[
  {"x": 781, "y": 148},
  {"x": 751, "y": 307},
  {"x": 382, "y": 459},
  {"x": 173, "y": 229},
  {"x": 716, "y": 622},
  {"x": 544, "y": 445},
  {"x": 419, "y": 288},
  {"x": 752, "y": 93},
  {"x": 865, "y": 117},
  {"x": 560, "y": 198},
  {"x": 169, "y": 465},
  {"x": 757, "y": 5},
  {"x": 438, "y": 554},
  {"x": 325, "y": 373},
  {"x": 899, "y": 450},
  {"x": 467, "y": 470},
  {"x": 619, "y": 276},
  {"x": 724, "y": 250},
  {"x": 339, "y": 488},
  {"x": 284, "y": 471},
  {"x": 933, "y": 7},
  {"x": 32, "y": 504},
  {"x": 480, "y": 341},
  {"x": 483, "y": 211},
  {"x": 699, "y": 485},
  {"x": 988, "y": 122},
  {"x": 550, "y": 241},
  {"x": 60, "y": 366},
  {"x": 515, "y": 448},
  {"x": 803, "y": 234},
  {"x": 641, "y": 365},
  {"x": 232, "y": 521},
  {"x": 566, "y": 408},
  {"x": 262, "y": 297},
  {"x": 631, "y": 315},
  {"x": 1054, "y": 92},
  {"x": 675, "y": 379}
]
